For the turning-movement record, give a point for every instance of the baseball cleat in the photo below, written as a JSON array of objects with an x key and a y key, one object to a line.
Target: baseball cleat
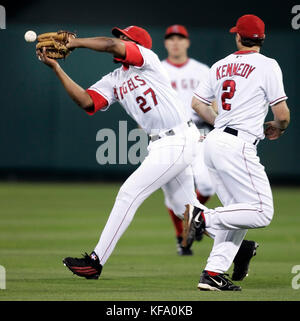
[
  {"x": 199, "y": 235},
  {"x": 88, "y": 266},
  {"x": 182, "y": 250},
  {"x": 216, "y": 282},
  {"x": 242, "y": 259},
  {"x": 197, "y": 226}
]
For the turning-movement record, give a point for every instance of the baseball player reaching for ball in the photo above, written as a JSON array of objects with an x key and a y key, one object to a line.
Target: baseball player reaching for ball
[
  {"x": 142, "y": 87},
  {"x": 185, "y": 75},
  {"x": 244, "y": 84}
]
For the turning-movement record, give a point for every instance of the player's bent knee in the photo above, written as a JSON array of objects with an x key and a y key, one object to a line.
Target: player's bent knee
[{"x": 266, "y": 216}]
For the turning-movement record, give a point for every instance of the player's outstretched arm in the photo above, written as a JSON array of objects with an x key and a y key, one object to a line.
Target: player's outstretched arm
[
  {"x": 77, "y": 93},
  {"x": 114, "y": 46},
  {"x": 206, "y": 112},
  {"x": 275, "y": 128}
]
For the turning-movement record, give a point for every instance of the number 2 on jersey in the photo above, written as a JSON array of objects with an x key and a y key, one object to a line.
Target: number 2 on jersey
[
  {"x": 142, "y": 101},
  {"x": 227, "y": 94}
]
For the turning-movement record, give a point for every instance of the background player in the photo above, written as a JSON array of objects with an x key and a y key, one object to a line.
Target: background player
[
  {"x": 185, "y": 74},
  {"x": 244, "y": 84},
  {"x": 142, "y": 87}
]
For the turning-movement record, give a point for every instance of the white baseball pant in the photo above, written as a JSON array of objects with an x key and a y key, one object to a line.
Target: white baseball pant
[
  {"x": 168, "y": 159},
  {"x": 202, "y": 182},
  {"x": 244, "y": 190}
]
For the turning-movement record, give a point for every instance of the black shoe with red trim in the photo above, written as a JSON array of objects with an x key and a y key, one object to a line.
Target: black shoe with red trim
[
  {"x": 216, "y": 282},
  {"x": 88, "y": 266}
]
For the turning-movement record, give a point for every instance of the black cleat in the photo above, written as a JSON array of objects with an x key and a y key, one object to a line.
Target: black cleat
[
  {"x": 88, "y": 266},
  {"x": 183, "y": 250},
  {"x": 216, "y": 283},
  {"x": 199, "y": 235},
  {"x": 242, "y": 259},
  {"x": 197, "y": 226}
]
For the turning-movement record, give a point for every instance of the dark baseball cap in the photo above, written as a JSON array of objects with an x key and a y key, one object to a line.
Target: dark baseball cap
[
  {"x": 176, "y": 30},
  {"x": 249, "y": 26}
]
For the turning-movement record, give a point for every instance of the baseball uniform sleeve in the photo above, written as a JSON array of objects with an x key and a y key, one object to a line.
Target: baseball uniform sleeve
[
  {"x": 133, "y": 55},
  {"x": 150, "y": 59},
  {"x": 99, "y": 102},
  {"x": 274, "y": 84},
  {"x": 102, "y": 94},
  {"x": 204, "y": 91}
]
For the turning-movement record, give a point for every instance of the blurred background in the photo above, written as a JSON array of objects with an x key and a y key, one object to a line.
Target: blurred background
[{"x": 45, "y": 136}]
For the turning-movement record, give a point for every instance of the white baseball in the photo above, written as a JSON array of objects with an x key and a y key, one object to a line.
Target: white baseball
[{"x": 30, "y": 36}]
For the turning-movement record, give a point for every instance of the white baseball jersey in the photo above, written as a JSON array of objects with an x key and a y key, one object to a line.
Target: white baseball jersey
[
  {"x": 244, "y": 84},
  {"x": 145, "y": 93},
  {"x": 185, "y": 79}
]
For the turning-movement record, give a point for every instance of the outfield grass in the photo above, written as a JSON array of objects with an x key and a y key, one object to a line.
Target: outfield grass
[{"x": 42, "y": 223}]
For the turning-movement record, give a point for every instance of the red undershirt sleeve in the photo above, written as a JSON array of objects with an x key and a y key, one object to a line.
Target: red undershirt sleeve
[
  {"x": 133, "y": 55},
  {"x": 99, "y": 102}
]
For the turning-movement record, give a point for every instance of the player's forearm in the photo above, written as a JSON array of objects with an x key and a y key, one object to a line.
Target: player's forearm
[
  {"x": 77, "y": 93},
  {"x": 281, "y": 114},
  {"x": 282, "y": 124},
  {"x": 205, "y": 111},
  {"x": 102, "y": 44}
]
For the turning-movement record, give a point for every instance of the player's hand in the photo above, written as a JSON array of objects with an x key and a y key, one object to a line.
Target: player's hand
[
  {"x": 71, "y": 42},
  {"x": 272, "y": 131},
  {"x": 52, "y": 63}
]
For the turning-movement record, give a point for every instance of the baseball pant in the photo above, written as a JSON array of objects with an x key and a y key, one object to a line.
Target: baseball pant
[
  {"x": 202, "y": 181},
  {"x": 244, "y": 190},
  {"x": 168, "y": 159}
]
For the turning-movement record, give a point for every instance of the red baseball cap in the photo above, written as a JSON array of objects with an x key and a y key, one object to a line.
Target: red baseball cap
[
  {"x": 137, "y": 34},
  {"x": 176, "y": 30},
  {"x": 249, "y": 26}
]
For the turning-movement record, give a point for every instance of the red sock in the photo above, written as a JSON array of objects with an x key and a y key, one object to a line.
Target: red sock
[
  {"x": 177, "y": 223},
  {"x": 212, "y": 273},
  {"x": 202, "y": 199}
]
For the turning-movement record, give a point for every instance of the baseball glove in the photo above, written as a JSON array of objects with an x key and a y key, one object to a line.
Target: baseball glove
[{"x": 55, "y": 43}]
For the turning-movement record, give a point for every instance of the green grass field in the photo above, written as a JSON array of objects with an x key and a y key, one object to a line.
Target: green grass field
[{"x": 40, "y": 224}]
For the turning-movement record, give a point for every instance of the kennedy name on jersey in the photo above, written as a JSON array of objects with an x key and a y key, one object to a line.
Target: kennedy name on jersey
[
  {"x": 234, "y": 69},
  {"x": 129, "y": 85}
]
